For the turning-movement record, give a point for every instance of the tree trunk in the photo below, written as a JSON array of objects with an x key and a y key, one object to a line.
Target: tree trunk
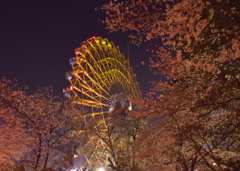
[{"x": 39, "y": 150}]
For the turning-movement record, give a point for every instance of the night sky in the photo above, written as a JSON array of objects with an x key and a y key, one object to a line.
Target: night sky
[{"x": 38, "y": 37}]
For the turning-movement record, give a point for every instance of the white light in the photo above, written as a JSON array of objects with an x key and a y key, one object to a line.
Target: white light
[
  {"x": 101, "y": 169},
  {"x": 130, "y": 106},
  {"x": 111, "y": 109}
]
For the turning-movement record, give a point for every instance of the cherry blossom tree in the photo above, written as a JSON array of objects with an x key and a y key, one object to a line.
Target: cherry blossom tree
[
  {"x": 39, "y": 121},
  {"x": 12, "y": 134},
  {"x": 196, "y": 46}
]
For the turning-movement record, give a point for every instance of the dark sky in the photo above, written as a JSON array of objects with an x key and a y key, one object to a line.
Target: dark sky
[{"x": 38, "y": 37}]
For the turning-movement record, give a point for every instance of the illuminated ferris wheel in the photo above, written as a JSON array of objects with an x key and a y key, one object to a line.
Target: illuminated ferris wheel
[{"x": 101, "y": 83}]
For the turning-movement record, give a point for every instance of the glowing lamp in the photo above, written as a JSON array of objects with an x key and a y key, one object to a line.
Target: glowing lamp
[
  {"x": 101, "y": 169},
  {"x": 69, "y": 76},
  {"x": 97, "y": 40},
  {"x": 66, "y": 92},
  {"x": 84, "y": 45},
  {"x": 72, "y": 61},
  {"x": 77, "y": 52}
]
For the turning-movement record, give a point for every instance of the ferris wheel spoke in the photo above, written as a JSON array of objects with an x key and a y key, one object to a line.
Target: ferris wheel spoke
[
  {"x": 86, "y": 86},
  {"x": 114, "y": 63},
  {"x": 91, "y": 103},
  {"x": 100, "y": 84}
]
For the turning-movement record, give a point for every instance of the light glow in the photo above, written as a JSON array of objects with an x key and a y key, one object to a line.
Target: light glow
[
  {"x": 103, "y": 42},
  {"x": 130, "y": 106},
  {"x": 101, "y": 169}
]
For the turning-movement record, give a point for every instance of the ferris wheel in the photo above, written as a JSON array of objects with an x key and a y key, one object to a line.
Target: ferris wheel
[{"x": 102, "y": 83}]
